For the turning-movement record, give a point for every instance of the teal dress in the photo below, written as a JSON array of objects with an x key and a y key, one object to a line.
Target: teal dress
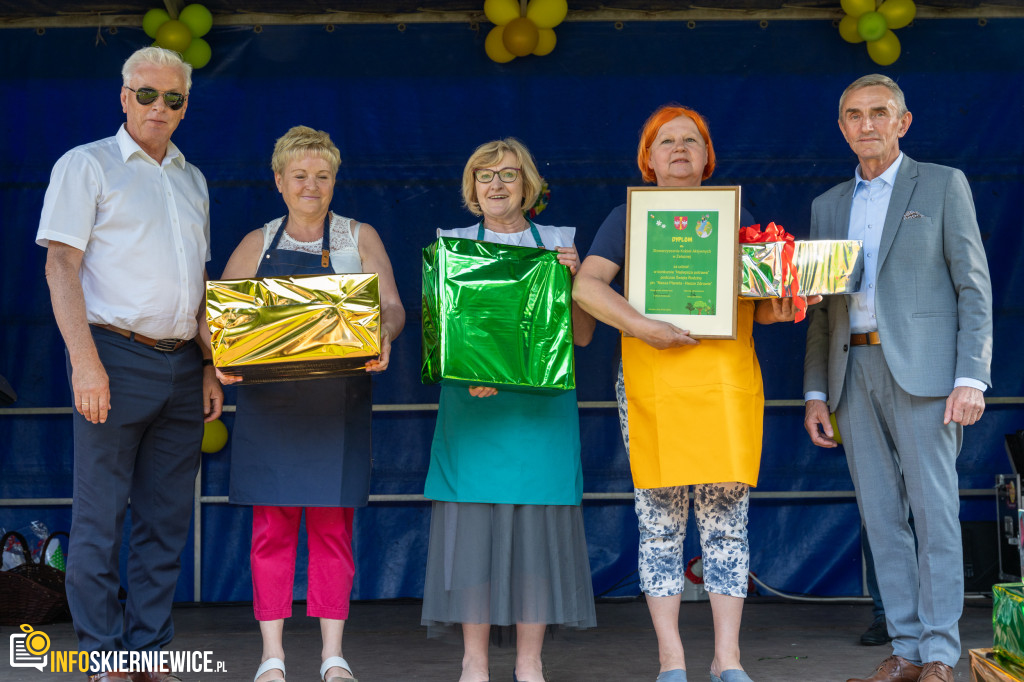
[
  {"x": 507, "y": 543},
  {"x": 514, "y": 448}
]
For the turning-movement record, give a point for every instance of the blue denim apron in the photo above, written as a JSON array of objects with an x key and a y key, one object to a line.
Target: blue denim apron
[
  {"x": 302, "y": 443},
  {"x": 510, "y": 448}
]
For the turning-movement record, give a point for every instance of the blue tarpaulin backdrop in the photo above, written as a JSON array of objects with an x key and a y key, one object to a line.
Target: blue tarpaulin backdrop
[{"x": 407, "y": 106}]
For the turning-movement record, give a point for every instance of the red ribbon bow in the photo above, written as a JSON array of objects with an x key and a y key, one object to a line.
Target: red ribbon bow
[{"x": 752, "y": 234}]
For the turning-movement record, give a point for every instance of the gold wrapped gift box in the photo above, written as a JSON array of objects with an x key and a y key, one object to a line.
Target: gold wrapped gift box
[
  {"x": 990, "y": 665},
  {"x": 292, "y": 328},
  {"x": 823, "y": 266}
]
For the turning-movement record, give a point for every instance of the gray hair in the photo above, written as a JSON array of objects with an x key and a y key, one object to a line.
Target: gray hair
[
  {"x": 872, "y": 80},
  {"x": 156, "y": 56}
]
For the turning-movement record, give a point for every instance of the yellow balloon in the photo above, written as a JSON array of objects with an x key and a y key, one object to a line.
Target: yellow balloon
[
  {"x": 835, "y": 428},
  {"x": 848, "y": 29},
  {"x": 215, "y": 436},
  {"x": 545, "y": 42},
  {"x": 855, "y": 8},
  {"x": 547, "y": 13},
  {"x": 500, "y": 12},
  {"x": 173, "y": 35},
  {"x": 520, "y": 36},
  {"x": 495, "y": 48},
  {"x": 898, "y": 13},
  {"x": 885, "y": 50}
]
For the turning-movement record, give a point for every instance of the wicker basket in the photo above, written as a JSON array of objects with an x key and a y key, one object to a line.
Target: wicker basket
[{"x": 32, "y": 593}]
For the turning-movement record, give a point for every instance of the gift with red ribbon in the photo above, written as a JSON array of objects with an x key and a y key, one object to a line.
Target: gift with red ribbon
[{"x": 768, "y": 271}]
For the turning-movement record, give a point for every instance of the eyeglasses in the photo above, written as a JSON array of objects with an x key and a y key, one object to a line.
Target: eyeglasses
[
  {"x": 146, "y": 96},
  {"x": 506, "y": 175}
]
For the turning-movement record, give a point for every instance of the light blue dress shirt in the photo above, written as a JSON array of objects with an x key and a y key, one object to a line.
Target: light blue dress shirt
[{"x": 867, "y": 217}]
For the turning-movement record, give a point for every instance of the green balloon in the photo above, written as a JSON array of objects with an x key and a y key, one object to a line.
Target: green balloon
[
  {"x": 153, "y": 19},
  {"x": 872, "y": 26},
  {"x": 198, "y": 19},
  {"x": 173, "y": 35},
  {"x": 197, "y": 54}
]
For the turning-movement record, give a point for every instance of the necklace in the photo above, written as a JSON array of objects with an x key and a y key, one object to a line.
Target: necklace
[{"x": 509, "y": 238}]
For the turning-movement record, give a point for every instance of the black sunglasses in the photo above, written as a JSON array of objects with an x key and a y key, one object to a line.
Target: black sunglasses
[{"x": 146, "y": 96}]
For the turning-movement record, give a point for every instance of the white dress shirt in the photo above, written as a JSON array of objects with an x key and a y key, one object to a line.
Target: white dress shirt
[{"x": 144, "y": 228}]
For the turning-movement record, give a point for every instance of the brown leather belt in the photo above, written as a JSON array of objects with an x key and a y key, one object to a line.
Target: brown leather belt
[
  {"x": 163, "y": 345},
  {"x": 868, "y": 339}
]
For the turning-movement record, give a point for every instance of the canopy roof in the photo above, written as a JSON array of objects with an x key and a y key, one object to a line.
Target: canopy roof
[{"x": 42, "y": 13}]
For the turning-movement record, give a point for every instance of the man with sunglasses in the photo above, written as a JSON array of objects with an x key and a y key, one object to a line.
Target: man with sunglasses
[{"x": 126, "y": 225}]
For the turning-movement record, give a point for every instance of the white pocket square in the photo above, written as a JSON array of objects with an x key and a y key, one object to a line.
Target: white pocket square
[{"x": 911, "y": 215}]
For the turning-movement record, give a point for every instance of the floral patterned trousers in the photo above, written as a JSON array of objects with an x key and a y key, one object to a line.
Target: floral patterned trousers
[{"x": 720, "y": 510}]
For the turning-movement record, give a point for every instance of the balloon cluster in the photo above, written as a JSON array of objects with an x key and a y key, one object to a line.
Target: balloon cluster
[
  {"x": 866, "y": 21},
  {"x": 184, "y": 34},
  {"x": 515, "y": 35}
]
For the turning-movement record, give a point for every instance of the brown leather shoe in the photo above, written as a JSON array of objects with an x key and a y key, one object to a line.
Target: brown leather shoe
[
  {"x": 936, "y": 671},
  {"x": 895, "y": 669}
]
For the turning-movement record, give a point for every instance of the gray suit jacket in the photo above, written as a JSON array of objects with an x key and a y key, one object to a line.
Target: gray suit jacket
[{"x": 933, "y": 296}]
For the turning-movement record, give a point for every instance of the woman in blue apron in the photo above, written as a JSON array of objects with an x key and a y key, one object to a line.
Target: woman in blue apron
[
  {"x": 507, "y": 546},
  {"x": 305, "y": 445}
]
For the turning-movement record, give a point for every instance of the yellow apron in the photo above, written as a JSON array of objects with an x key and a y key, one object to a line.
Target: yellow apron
[{"x": 696, "y": 413}]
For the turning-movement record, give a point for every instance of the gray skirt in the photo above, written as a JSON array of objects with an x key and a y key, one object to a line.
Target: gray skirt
[{"x": 505, "y": 564}]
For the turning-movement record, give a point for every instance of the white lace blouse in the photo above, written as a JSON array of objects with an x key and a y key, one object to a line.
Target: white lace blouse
[{"x": 344, "y": 243}]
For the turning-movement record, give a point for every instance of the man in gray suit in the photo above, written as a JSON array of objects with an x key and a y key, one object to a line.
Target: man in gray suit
[{"x": 904, "y": 364}]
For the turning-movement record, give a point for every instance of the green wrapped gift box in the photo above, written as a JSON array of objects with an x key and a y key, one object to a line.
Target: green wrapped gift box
[
  {"x": 496, "y": 315},
  {"x": 1008, "y": 620}
]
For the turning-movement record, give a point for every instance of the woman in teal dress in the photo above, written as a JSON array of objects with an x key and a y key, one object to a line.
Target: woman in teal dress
[{"x": 506, "y": 536}]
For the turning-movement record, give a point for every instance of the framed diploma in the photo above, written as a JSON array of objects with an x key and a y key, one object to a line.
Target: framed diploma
[{"x": 681, "y": 254}]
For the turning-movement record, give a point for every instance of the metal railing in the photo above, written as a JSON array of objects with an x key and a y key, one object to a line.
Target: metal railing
[{"x": 200, "y": 499}]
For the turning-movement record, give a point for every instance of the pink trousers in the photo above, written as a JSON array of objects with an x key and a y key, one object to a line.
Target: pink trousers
[{"x": 275, "y": 539}]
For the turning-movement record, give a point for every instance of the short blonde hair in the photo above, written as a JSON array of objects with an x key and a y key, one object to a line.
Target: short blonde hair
[
  {"x": 303, "y": 141},
  {"x": 489, "y": 154},
  {"x": 156, "y": 56}
]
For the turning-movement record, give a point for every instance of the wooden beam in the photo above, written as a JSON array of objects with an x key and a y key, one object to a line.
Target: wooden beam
[
  {"x": 174, "y": 7},
  {"x": 94, "y": 20}
]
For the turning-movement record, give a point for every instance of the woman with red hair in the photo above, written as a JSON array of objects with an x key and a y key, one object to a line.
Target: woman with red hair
[{"x": 722, "y": 377}]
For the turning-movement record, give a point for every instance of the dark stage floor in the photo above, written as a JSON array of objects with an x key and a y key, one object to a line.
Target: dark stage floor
[{"x": 781, "y": 642}]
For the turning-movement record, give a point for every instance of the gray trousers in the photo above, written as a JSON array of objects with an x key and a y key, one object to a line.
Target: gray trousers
[
  {"x": 902, "y": 460},
  {"x": 147, "y": 450}
]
